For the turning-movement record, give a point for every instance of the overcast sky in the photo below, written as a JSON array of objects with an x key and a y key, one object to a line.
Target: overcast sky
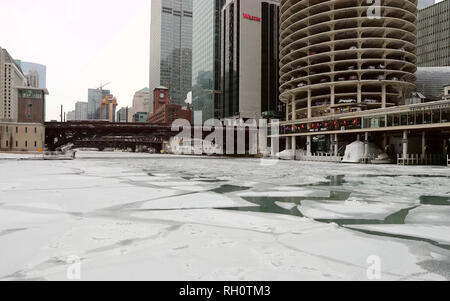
[{"x": 83, "y": 43}]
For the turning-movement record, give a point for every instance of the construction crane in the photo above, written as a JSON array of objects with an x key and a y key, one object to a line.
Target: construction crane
[{"x": 101, "y": 96}]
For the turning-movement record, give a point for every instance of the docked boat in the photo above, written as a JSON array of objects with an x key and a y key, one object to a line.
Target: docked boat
[{"x": 354, "y": 152}]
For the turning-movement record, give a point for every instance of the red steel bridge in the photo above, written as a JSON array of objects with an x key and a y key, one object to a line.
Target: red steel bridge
[{"x": 101, "y": 135}]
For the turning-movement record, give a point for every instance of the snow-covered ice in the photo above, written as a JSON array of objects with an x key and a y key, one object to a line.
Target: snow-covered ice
[{"x": 157, "y": 217}]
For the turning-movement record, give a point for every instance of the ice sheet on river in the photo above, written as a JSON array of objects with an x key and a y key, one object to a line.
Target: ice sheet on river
[{"x": 154, "y": 217}]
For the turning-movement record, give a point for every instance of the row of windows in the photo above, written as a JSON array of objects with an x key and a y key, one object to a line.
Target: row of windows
[
  {"x": 17, "y": 144},
  {"x": 7, "y": 128},
  {"x": 375, "y": 122}
]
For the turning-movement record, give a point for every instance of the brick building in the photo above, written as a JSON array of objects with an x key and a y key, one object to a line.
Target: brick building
[
  {"x": 164, "y": 112},
  {"x": 31, "y": 105}
]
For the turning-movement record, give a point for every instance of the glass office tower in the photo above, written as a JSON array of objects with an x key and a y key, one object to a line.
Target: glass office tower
[
  {"x": 94, "y": 103},
  {"x": 41, "y": 70},
  {"x": 250, "y": 59},
  {"x": 171, "y": 48},
  {"x": 206, "y": 57}
]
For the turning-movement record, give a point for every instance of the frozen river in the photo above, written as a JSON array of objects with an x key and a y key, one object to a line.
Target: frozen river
[{"x": 118, "y": 216}]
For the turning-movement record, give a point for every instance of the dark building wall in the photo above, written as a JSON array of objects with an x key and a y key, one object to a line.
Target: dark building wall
[
  {"x": 230, "y": 59},
  {"x": 270, "y": 59},
  {"x": 31, "y": 110},
  {"x": 31, "y": 105}
]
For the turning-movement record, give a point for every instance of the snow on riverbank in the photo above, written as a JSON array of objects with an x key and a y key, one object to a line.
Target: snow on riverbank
[
  {"x": 156, "y": 217},
  {"x": 20, "y": 156}
]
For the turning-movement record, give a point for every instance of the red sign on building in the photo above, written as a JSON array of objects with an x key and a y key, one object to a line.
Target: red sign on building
[{"x": 253, "y": 18}]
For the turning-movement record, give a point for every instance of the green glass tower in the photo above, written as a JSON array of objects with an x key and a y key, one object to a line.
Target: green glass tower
[{"x": 206, "y": 57}]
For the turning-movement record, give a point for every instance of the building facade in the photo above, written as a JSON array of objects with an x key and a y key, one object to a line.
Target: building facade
[
  {"x": 81, "y": 110},
  {"x": 433, "y": 30},
  {"x": 141, "y": 102},
  {"x": 31, "y": 105},
  {"x": 22, "y": 137},
  {"x": 94, "y": 102},
  {"x": 347, "y": 72},
  {"x": 140, "y": 117},
  {"x": 22, "y": 109},
  {"x": 346, "y": 65},
  {"x": 122, "y": 115},
  {"x": 206, "y": 62},
  {"x": 171, "y": 47},
  {"x": 71, "y": 116},
  {"x": 249, "y": 56},
  {"x": 108, "y": 108},
  {"x": 36, "y": 74},
  {"x": 11, "y": 77}
]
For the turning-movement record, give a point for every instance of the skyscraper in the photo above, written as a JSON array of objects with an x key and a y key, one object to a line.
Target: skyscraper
[
  {"x": 333, "y": 71},
  {"x": 36, "y": 74},
  {"x": 141, "y": 102},
  {"x": 94, "y": 103},
  {"x": 347, "y": 72},
  {"x": 171, "y": 47},
  {"x": 11, "y": 77},
  {"x": 433, "y": 35},
  {"x": 108, "y": 108},
  {"x": 81, "y": 110},
  {"x": 249, "y": 72},
  {"x": 122, "y": 115},
  {"x": 206, "y": 57},
  {"x": 70, "y": 116}
]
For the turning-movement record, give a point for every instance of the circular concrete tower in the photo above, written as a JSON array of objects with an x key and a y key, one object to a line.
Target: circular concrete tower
[{"x": 344, "y": 56}]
